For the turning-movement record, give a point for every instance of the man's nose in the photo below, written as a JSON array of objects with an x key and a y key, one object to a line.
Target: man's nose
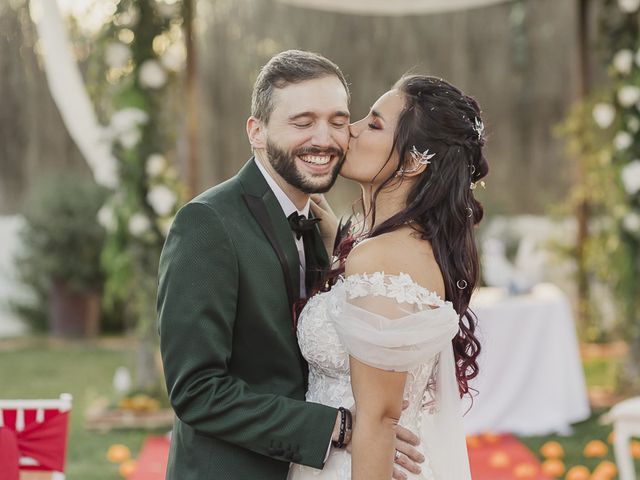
[{"x": 322, "y": 136}]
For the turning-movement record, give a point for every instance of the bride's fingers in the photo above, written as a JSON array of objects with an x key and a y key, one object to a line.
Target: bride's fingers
[
  {"x": 406, "y": 435},
  {"x": 398, "y": 475},
  {"x": 317, "y": 210},
  {"x": 409, "y": 453},
  {"x": 404, "y": 461}
]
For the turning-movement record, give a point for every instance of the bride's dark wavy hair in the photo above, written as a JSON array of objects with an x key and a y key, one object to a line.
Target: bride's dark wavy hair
[{"x": 440, "y": 205}]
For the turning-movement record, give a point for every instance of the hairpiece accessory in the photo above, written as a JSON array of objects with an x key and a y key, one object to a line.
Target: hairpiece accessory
[
  {"x": 461, "y": 284},
  {"x": 470, "y": 210},
  {"x": 473, "y": 169},
  {"x": 479, "y": 127},
  {"x": 419, "y": 160},
  {"x": 474, "y": 185}
]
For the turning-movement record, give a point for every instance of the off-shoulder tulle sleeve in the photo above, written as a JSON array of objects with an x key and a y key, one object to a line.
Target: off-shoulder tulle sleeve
[{"x": 390, "y": 322}]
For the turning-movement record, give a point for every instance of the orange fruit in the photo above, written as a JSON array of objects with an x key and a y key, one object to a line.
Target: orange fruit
[
  {"x": 579, "y": 472},
  {"x": 595, "y": 449},
  {"x": 635, "y": 449},
  {"x": 118, "y": 453},
  {"x": 552, "y": 450},
  {"x": 499, "y": 459},
  {"x": 490, "y": 437},
  {"x": 611, "y": 438},
  {"x": 525, "y": 470},
  {"x": 473, "y": 441},
  {"x": 605, "y": 470},
  {"x": 127, "y": 468},
  {"x": 553, "y": 468}
]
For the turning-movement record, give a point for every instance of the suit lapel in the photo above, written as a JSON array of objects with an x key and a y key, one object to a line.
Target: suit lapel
[{"x": 266, "y": 210}]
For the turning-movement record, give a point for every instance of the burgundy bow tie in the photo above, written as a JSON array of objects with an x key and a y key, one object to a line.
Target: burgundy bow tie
[{"x": 301, "y": 224}]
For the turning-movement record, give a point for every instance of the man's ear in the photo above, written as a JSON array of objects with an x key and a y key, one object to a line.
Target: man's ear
[{"x": 257, "y": 133}]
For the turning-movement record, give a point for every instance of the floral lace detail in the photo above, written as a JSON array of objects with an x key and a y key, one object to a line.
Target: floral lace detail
[
  {"x": 329, "y": 380},
  {"x": 400, "y": 287}
]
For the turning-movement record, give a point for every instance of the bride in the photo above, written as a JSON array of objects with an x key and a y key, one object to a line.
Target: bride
[{"x": 391, "y": 324}]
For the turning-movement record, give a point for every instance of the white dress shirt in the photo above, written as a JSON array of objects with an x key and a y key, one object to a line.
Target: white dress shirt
[{"x": 288, "y": 208}]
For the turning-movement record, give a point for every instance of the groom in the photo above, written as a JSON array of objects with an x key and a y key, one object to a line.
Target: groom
[{"x": 236, "y": 260}]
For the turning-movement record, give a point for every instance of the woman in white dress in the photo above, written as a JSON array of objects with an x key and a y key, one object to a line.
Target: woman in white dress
[{"x": 391, "y": 325}]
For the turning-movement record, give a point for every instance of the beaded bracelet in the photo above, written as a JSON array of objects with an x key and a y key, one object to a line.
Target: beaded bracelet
[{"x": 345, "y": 423}]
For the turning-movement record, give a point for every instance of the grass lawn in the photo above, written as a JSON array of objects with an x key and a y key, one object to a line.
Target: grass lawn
[
  {"x": 39, "y": 368},
  {"x": 600, "y": 374}
]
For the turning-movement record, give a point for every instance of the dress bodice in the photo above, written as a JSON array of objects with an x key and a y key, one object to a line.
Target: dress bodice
[{"x": 395, "y": 335}]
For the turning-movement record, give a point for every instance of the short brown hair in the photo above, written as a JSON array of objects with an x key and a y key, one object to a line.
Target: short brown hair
[{"x": 291, "y": 66}]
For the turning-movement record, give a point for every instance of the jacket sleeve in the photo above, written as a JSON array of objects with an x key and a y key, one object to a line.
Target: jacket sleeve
[{"x": 197, "y": 295}]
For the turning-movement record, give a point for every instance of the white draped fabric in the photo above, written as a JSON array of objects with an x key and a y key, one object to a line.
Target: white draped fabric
[
  {"x": 392, "y": 323},
  {"x": 531, "y": 380},
  {"x": 391, "y": 8},
  {"x": 69, "y": 92}
]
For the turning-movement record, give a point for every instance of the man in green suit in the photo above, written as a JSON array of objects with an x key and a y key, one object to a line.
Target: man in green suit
[{"x": 230, "y": 272}]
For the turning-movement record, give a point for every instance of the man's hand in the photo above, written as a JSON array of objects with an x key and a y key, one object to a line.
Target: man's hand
[{"x": 329, "y": 224}]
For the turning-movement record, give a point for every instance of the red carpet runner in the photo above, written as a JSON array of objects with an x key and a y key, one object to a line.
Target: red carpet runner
[
  {"x": 152, "y": 461},
  {"x": 492, "y": 457},
  {"x": 502, "y": 457}
]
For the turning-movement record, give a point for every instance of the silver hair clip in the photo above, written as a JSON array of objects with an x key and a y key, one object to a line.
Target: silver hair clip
[
  {"x": 479, "y": 127},
  {"x": 419, "y": 160}
]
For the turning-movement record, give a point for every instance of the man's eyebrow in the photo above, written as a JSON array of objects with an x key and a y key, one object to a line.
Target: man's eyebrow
[
  {"x": 301, "y": 115},
  {"x": 339, "y": 113}
]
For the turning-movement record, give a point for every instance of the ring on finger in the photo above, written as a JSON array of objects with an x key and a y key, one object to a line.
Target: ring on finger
[{"x": 396, "y": 456}]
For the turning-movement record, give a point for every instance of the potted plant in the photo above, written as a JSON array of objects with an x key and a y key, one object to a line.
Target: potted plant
[{"x": 62, "y": 243}]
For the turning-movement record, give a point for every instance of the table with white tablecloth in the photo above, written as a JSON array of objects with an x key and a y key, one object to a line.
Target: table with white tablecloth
[{"x": 531, "y": 380}]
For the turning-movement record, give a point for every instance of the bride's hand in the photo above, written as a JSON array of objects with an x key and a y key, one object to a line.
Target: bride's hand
[{"x": 329, "y": 224}]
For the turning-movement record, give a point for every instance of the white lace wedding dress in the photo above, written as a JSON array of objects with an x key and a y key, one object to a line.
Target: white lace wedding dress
[{"x": 389, "y": 322}]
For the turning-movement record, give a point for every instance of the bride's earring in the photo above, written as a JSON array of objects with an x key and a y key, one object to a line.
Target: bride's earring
[{"x": 419, "y": 159}]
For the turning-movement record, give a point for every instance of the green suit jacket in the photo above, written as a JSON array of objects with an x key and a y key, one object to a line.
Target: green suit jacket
[{"x": 229, "y": 273}]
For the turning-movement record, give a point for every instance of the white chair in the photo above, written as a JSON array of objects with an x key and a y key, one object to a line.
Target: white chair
[
  {"x": 626, "y": 424},
  {"x": 29, "y": 419}
]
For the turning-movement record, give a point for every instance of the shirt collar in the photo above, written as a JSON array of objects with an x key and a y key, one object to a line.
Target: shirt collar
[{"x": 288, "y": 207}]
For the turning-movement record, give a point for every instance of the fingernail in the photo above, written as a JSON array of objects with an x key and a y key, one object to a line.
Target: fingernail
[{"x": 422, "y": 459}]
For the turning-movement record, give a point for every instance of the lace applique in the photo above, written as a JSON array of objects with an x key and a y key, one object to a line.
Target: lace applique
[{"x": 400, "y": 287}]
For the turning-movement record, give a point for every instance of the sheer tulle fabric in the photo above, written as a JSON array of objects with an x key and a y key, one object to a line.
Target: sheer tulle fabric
[{"x": 392, "y": 323}]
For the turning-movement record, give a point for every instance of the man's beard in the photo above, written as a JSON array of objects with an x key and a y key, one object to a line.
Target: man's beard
[{"x": 284, "y": 163}]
